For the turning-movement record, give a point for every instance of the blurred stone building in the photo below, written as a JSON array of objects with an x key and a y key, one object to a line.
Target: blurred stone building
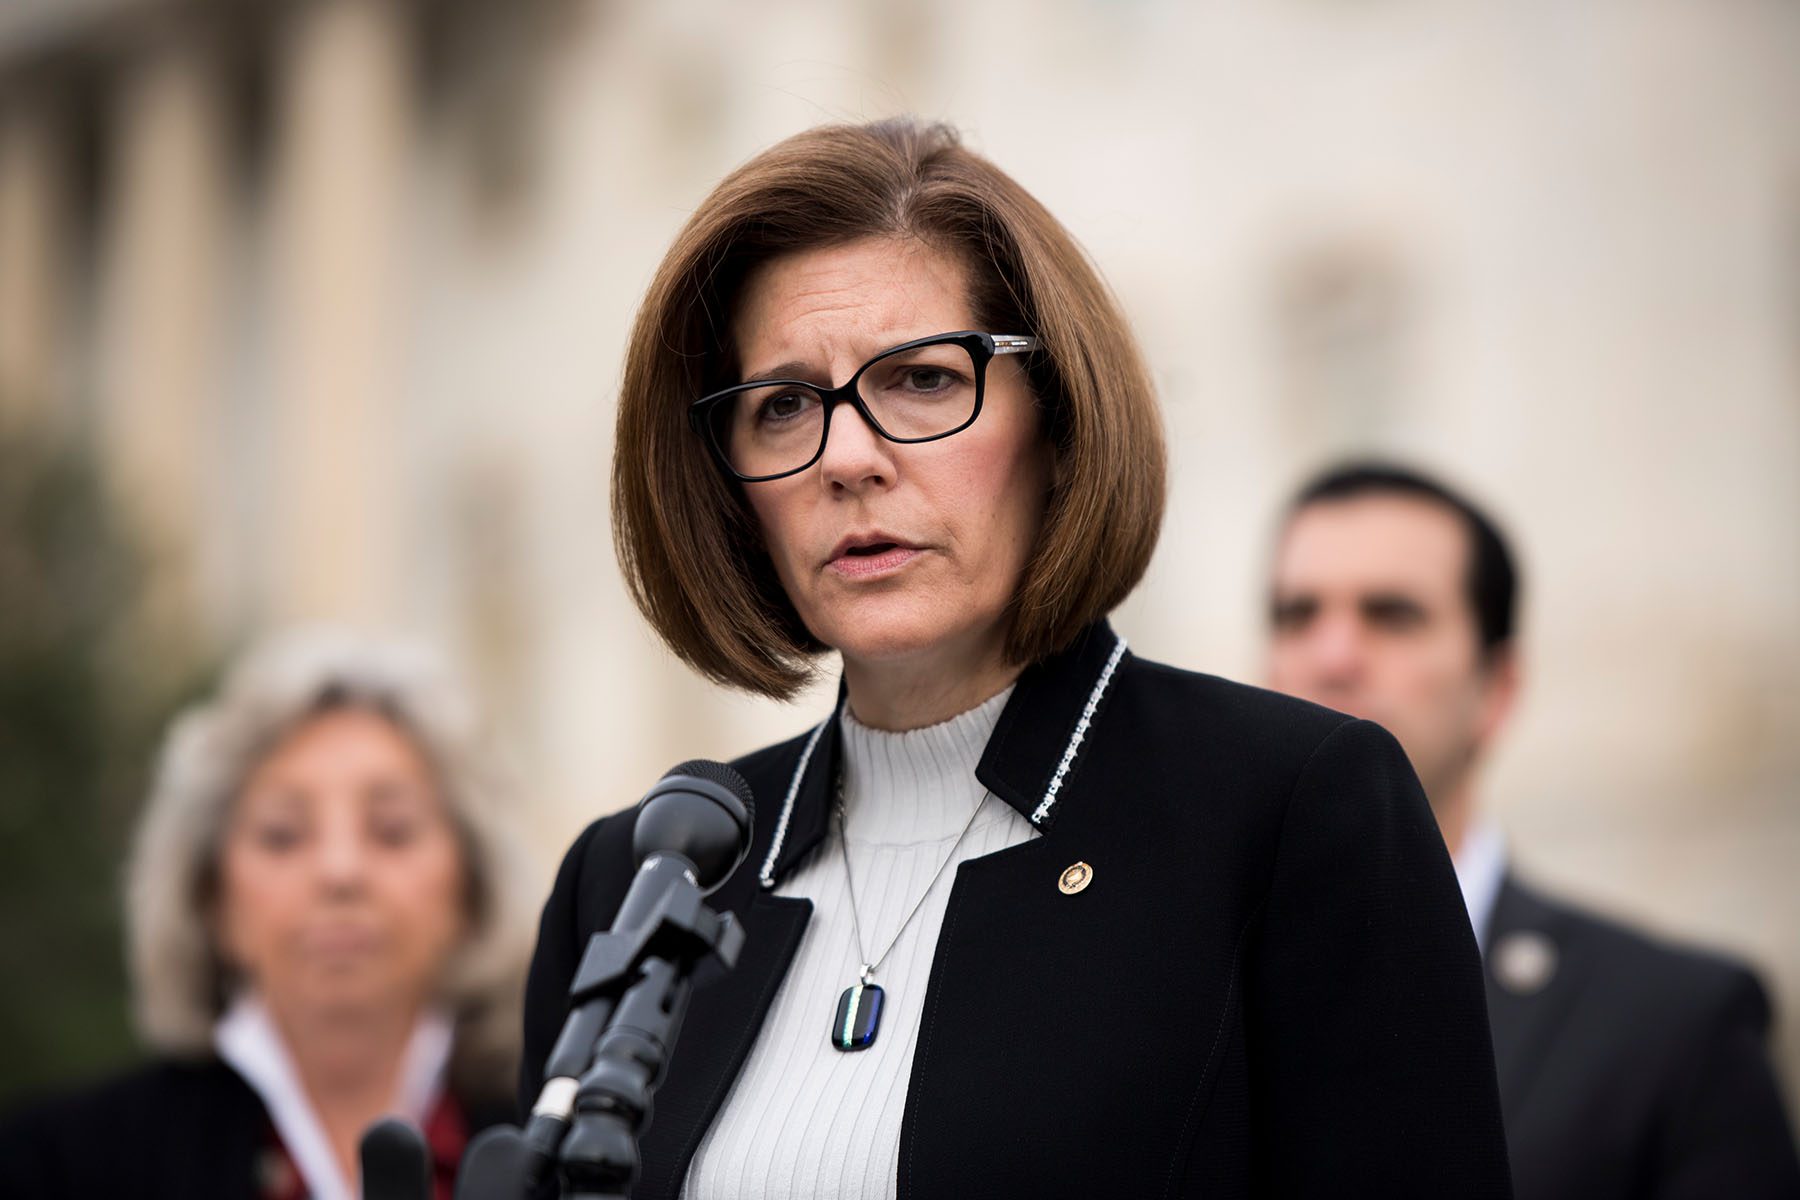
[{"x": 338, "y": 289}]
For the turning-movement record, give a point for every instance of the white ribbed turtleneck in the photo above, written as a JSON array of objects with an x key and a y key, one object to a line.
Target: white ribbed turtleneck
[{"x": 806, "y": 1120}]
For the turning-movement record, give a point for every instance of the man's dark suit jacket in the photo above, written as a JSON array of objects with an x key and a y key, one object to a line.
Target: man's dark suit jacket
[
  {"x": 1629, "y": 1068},
  {"x": 1268, "y": 988}
]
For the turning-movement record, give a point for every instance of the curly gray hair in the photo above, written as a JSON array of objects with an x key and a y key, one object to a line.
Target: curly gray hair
[{"x": 180, "y": 983}]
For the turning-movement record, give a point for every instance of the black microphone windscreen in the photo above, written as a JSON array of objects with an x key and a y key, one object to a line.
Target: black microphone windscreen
[
  {"x": 719, "y": 773},
  {"x": 500, "y": 1163},
  {"x": 702, "y": 811},
  {"x": 396, "y": 1164}
]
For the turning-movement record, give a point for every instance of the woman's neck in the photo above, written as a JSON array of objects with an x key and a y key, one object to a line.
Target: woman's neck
[
  {"x": 349, "y": 1066},
  {"x": 911, "y": 693}
]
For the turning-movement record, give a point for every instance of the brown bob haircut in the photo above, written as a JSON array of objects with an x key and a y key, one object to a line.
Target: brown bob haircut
[{"x": 689, "y": 546}]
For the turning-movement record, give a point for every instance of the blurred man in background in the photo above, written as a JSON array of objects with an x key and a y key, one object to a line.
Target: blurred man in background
[{"x": 1627, "y": 1067}]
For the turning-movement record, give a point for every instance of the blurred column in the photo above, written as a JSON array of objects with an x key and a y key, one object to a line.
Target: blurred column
[
  {"x": 343, "y": 129},
  {"x": 161, "y": 307},
  {"x": 33, "y": 206}
]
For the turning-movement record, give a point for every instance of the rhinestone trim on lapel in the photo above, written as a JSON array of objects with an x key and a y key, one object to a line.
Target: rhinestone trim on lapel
[
  {"x": 787, "y": 805},
  {"x": 1038, "y": 816},
  {"x": 1081, "y": 727}
]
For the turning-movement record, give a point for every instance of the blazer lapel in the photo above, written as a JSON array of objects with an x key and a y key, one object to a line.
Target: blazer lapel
[
  {"x": 1035, "y": 750},
  {"x": 994, "y": 937},
  {"x": 721, "y": 1025},
  {"x": 1534, "y": 972},
  {"x": 728, "y": 1008}
]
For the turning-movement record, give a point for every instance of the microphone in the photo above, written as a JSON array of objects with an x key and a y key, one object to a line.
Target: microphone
[
  {"x": 702, "y": 811},
  {"x": 396, "y": 1165},
  {"x": 694, "y": 825},
  {"x": 693, "y": 830}
]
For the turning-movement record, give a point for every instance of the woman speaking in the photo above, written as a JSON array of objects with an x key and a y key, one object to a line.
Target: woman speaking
[{"x": 1026, "y": 915}]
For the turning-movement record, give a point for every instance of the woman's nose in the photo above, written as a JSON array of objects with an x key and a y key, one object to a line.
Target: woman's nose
[
  {"x": 855, "y": 456},
  {"x": 343, "y": 861}
]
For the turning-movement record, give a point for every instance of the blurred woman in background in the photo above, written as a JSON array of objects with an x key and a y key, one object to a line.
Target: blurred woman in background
[{"x": 326, "y": 926}]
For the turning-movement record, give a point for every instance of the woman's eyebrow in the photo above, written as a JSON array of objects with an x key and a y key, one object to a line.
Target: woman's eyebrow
[
  {"x": 786, "y": 370},
  {"x": 274, "y": 799}
]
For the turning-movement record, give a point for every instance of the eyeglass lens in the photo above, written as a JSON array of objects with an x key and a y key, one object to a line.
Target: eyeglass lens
[{"x": 924, "y": 392}]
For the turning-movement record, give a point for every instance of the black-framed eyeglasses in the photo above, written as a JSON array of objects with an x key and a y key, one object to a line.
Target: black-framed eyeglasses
[{"x": 918, "y": 391}]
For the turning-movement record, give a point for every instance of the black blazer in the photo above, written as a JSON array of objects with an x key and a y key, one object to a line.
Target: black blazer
[
  {"x": 164, "y": 1131},
  {"x": 1269, "y": 987},
  {"x": 1629, "y": 1068}
]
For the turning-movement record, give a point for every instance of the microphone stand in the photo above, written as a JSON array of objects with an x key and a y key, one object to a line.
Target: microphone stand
[{"x": 628, "y": 999}]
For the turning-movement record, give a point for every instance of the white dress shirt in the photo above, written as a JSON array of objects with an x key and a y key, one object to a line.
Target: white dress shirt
[{"x": 1480, "y": 869}]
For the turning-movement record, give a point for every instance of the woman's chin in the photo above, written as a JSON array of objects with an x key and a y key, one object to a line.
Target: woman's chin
[
  {"x": 874, "y": 640},
  {"x": 338, "y": 990}
]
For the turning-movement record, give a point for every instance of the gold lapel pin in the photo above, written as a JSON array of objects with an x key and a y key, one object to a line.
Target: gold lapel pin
[{"x": 1075, "y": 878}]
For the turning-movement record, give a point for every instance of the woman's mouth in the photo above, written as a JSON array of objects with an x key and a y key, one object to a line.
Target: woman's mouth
[
  {"x": 340, "y": 941},
  {"x": 871, "y": 559}
]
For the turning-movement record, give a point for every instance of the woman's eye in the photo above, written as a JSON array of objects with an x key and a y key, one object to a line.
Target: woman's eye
[
  {"x": 276, "y": 839},
  {"x": 783, "y": 407},
  {"x": 928, "y": 379},
  {"x": 394, "y": 834}
]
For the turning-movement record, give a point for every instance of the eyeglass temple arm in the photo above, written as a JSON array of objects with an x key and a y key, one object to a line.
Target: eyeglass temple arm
[{"x": 1012, "y": 343}]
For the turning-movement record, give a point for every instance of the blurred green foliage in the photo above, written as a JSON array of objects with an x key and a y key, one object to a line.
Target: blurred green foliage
[{"x": 82, "y": 703}]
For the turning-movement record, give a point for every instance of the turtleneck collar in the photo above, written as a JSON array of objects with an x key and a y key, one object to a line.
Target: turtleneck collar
[
  {"x": 918, "y": 785},
  {"x": 1035, "y": 751}
]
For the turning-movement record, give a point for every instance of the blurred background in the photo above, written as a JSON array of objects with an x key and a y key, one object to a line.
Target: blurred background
[{"x": 314, "y": 309}]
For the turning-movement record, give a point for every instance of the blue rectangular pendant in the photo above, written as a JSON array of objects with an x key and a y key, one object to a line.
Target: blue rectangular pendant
[{"x": 858, "y": 1017}]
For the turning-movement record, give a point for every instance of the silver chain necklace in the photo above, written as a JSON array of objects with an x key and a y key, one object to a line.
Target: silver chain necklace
[{"x": 858, "y": 1016}]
